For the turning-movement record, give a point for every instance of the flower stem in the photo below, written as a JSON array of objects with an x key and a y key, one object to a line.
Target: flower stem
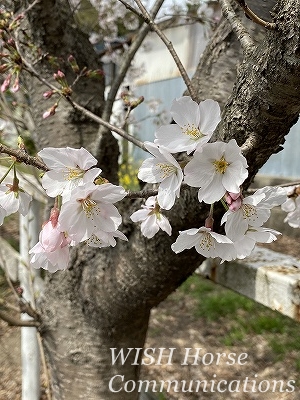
[{"x": 8, "y": 171}]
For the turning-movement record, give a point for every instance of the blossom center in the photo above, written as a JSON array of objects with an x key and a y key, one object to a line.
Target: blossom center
[
  {"x": 206, "y": 241},
  {"x": 221, "y": 165},
  {"x": 74, "y": 173},
  {"x": 192, "y": 131},
  {"x": 248, "y": 211},
  {"x": 89, "y": 206},
  {"x": 166, "y": 170}
]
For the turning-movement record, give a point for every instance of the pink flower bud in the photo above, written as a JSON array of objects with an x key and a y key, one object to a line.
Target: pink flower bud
[
  {"x": 54, "y": 214},
  {"x": 50, "y": 112},
  {"x": 59, "y": 76},
  {"x": 48, "y": 94},
  {"x": 234, "y": 196},
  {"x": 16, "y": 85},
  {"x": 209, "y": 222},
  {"x": 5, "y": 85},
  {"x": 236, "y": 204}
]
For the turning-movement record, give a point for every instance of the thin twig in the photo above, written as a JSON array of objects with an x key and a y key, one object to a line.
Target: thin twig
[
  {"x": 132, "y": 9},
  {"x": 149, "y": 20},
  {"x": 126, "y": 63},
  {"x": 30, "y": 7},
  {"x": 111, "y": 127},
  {"x": 242, "y": 34},
  {"x": 254, "y": 17}
]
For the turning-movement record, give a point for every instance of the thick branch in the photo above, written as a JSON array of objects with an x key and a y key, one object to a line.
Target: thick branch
[{"x": 265, "y": 102}]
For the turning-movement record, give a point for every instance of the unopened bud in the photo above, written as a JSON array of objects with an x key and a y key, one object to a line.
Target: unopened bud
[
  {"x": 97, "y": 73},
  {"x": 5, "y": 85},
  {"x": 54, "y": 214},
  {"x": 11, "y": 43},
  {"x": 16, "y": 86},
  {"x": 50, "y": 112},
  {"x": 73, "y": 64},
  {"x": 3, "y": 68},
  {"x": 59, "y": 75},
  {"x": 48, "y": 94},
  {"x": 209, "y": 222},
  {"x": 19, "y": 290},
  {"x": 137, "y": 102}
]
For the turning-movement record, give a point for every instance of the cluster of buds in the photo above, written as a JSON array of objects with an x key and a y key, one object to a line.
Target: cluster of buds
[{"x": 10, "y": 61}]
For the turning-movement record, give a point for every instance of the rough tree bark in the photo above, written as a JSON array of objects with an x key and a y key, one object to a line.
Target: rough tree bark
[{"x": 105, "y": 298}]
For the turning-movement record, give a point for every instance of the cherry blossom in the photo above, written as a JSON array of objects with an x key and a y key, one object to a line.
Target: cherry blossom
[
  {"x": 206, "y": 242},
  {"x": 223, "y": 168},
  {"x": 163, "y": 169},
  {"x": 90, "y": 210},
  {"x": 69, "y": 168},
  {"x": 152, "y": 219},
  {"x": 254, "y": 211},
  {"x": 246, "y": 243},
  {"x": 104, "y": 239},
  {"x": 52, "y": 250},
  {"x": 195, "y": 124},
  {"x": 13, "y": 199},
  {"x": 292, "y": 206},
  {"x": 51, "y": 261}
]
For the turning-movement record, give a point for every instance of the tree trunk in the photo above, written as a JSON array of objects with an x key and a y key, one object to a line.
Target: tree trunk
[{"x": 104, "y": 300}]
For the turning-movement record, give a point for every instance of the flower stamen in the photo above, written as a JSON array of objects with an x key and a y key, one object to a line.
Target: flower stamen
[
  {"x": 221, "y": 165},
  {"x": 166, "y": 170},
  {"x": 192, "y": 131},
  {"x": 74, "y": 173}
]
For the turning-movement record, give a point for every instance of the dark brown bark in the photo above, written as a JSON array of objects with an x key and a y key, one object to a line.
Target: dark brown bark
[
  {"x": 265, "y": 100},
  {"x": 105, "y": 298}
]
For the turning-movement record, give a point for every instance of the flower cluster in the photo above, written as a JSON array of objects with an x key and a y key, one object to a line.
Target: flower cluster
[
  {"x": 218, "y": 169},
  {"x": 85, "y": 211}
]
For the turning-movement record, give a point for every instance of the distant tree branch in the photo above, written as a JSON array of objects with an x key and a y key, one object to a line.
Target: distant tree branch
[
  {"x": 240, "y": 30},
  {"x": 149, "y": 20}
]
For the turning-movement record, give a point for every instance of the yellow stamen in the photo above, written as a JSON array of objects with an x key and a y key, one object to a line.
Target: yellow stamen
[
  {"x": 206, "y": 241},
  {"x": 249, "y": 211},
  {"x": 221, "y": 165},
  {"x": 166, "y": 169},
  {"x": 74, "y": 173},
  {"x": 192, "y": 131},
  {"x": 90, "y": 207}
]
